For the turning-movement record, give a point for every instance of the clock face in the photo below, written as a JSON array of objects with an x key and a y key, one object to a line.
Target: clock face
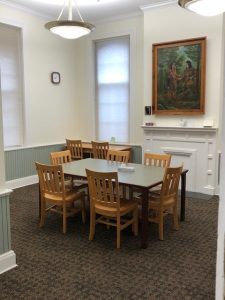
[{"x": 55, "y": 77}]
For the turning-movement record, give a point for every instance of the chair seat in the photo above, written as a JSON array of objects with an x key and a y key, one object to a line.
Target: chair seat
[
  {"x": 70, "y": 196},
  {"x": 125, "y": 206},
  {"x": 155, "y": 202}
]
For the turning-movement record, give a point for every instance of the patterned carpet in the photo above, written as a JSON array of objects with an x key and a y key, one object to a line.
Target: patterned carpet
[{"x": 56, "y": 266}]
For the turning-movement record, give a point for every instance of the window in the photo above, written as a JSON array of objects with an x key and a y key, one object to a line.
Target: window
[
  {"x": 11, "y": 84},
  {"x": 112, "y": 88}
]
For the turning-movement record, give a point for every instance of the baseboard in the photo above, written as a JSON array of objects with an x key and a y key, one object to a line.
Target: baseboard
[
  {"x": 196, "y": 195},
  {"x": 209, "y": 190},
  {"x": 7, "y": 261},
  {"x": 20, "y": 182}
]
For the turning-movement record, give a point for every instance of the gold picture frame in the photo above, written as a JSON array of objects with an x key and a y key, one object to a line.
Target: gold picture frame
[{"x": 179, "y": 77}]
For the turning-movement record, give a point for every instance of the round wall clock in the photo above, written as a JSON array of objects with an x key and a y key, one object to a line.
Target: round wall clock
[{"x": 55, "y": 77}]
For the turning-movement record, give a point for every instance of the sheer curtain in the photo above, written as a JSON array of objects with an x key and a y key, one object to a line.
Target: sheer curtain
[
  {"x": 112, "y": 88},
  {"x": 11, "y": 79}
]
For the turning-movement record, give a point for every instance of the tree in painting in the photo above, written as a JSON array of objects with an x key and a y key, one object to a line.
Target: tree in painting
[{"x": 179, "y": 77}]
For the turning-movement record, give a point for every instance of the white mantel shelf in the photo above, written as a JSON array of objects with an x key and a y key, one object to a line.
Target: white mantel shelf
[
  {"x": 194, "y": 147},
  {"x": 176, "y": 128}
]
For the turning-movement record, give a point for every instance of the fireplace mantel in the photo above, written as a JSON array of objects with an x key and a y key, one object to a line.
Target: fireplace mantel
[
  {"x": 194, "y": 147},
  {"x": 182, "y": 129}
]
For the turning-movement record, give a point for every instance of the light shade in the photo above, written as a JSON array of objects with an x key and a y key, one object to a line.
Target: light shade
[
  {"x": 69, "y": 29},
  {"x": 204, "y": 7}
]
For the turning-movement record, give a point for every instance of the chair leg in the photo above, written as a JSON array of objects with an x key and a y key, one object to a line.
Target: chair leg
[
  {"x": 124, "y": 191},
  {"x": 118, "y": 231},
  {"x": 83, "y": 210},
  {"x": 135, "y": 224},
  {"x": 175, "y": 218},
  {"x": 107, "y": 226},
  {"x": 161, "y": 225},
  {"x": 92, "y": 224},
  {"x": 43, "y": 208},
  {"x": 64, "y": 219}
]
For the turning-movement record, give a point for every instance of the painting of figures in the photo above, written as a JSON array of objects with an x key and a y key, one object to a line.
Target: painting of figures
[{"x": 179, "y": 77}]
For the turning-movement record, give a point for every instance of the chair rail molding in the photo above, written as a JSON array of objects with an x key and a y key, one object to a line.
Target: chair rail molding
[{"x": 195, "y": 147}]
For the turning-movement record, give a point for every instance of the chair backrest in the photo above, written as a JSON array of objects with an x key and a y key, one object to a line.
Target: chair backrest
[
  {"x": 51, "y": 179},
  {"x": 75, "y": 147},
  {"x": 155, "y": 159},
  {"x": 120, "y": 156},
  {"x": 103, "y": 188},
  {"x": 60, "y": 157},
  {"x": 100, "y": 149},
  {"x": 170, "y": 184}
]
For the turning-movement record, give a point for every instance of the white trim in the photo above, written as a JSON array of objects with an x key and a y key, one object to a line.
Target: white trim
[
  {"x": 12, "y": 22},
  {"x": 178, "y": 151},
  {"x": 59, "y": 144},
  {"x": 44, "y": 16},
  {"x": 20, "y": 182},
  {"x": 33, "y": 146},
  {"x": 158, "y": 4},
  {"x": 177, "y": 128},
  {"x": 25, "y": 9},
  {"x": 209, "y": 190},
  {"x": 5, "y": 192},
  {"x": 132, "y": 33},
  {"x": 7, "y": 261},
  {"x": 119, "y": 17}
]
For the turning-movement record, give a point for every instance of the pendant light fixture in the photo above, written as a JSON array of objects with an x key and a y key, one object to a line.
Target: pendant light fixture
[
  {"x": 204, "y": 7},
  {"x": 70, "y": 29}
]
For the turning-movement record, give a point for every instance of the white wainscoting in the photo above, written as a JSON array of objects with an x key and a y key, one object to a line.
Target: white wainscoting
[
  {"x": 196, "y": 148},
  {"x": 7, "y": 261}
]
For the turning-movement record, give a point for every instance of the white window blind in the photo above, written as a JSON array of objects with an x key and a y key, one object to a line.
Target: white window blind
[
  {"x": 112, "y": 88},
  {"x": 11, "y": 84}
]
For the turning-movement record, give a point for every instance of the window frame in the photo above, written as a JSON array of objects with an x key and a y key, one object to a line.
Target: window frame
[
  {"x": 20, "y": 26},
  {"x": 96, "y": 87},
  {"x": 132, "y": 32}
]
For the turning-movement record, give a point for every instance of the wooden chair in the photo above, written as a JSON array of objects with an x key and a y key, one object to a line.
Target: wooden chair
[
  {"x": 155, "y": 159},
  {"x": 122, "y": 157},
  {"x": 61, "y": 157},
  {"x": 166, "y": 200},
  {"x": 100, "y": 149},
  {"x": 119, "y": 156},
  {"x": 158, "y": 160},
  {"x": 54, "y": 195},
  {"x": 75, "y": 147},
  {"x": 106, "y": 202}
]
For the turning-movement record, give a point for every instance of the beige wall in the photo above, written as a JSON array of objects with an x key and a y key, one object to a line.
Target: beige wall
[
  {"x": 51, "y": 111},
  {"x": 146, "y": 30},
  {"x": 174, "y": 24},
  {"x": 134, "y": 27}
]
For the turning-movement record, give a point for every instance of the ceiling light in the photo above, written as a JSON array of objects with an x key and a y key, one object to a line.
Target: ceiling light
[
  {"x": 204, "y": 7},
  {"x": 69, "y": 29}
]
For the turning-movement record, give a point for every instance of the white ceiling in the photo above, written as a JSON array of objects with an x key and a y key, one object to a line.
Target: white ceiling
[{"x": 91, "y": 10}]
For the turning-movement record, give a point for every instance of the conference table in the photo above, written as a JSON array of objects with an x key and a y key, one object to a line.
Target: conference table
[
  {"x": 87, "y": 147},
  {"x": 136, "y": 175}
]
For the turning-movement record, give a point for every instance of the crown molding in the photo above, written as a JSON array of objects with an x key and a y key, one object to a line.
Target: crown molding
[
  {"x": 49, "y": 17},
  {"x": 158, "y": 4},
  {"x": 25, "y": 9},
  {"x": 118, "y": 18}
]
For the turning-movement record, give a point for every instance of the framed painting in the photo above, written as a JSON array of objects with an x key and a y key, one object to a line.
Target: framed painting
[{"x": 179, "y": 77}]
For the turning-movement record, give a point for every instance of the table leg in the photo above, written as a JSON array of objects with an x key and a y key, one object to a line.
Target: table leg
[
  {"x": 144, "y": 219},
  {"x": 183, "y": 196},
  {"x": 39, "y": 200}
]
